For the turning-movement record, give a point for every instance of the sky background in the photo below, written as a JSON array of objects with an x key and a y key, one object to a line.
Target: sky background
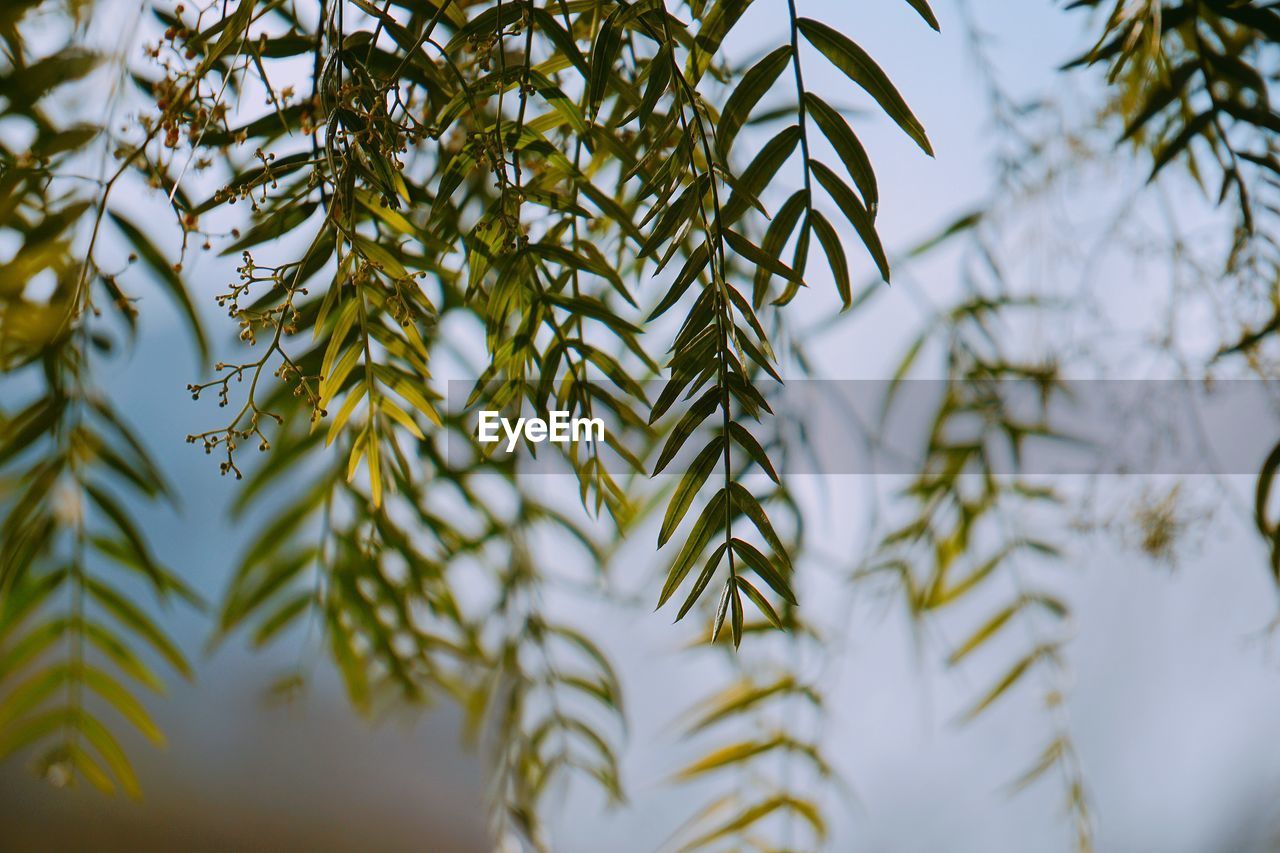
[{"x": 1176, "y": 693}]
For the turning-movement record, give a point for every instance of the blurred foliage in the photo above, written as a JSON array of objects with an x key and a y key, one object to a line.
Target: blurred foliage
[
  {"x": 1193, "y": 84},
  {"x": 554, "y": 193}
]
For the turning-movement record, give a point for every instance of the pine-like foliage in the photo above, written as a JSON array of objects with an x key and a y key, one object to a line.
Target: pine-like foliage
[
  {"x": 556, "y": 183},
  {"x": 599, "y": 206}
]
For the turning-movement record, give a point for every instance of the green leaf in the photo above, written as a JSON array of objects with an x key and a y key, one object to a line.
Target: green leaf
[
  {"x": 89, "y": 768},
  {"x": 28, "y": 694},
  {"x": 727, "y": 756},
  {"x": 135, "y": 620},
  {"x": 113, "y": 756},
  {"x": 762, "y": 169},
  {"x": 722, "y": 609},
  {"x": 28, "y": 426},
  {"x": 24, "y": 599},
  {"x": 854, "y": 212},
  {"x": 123, "y": 523},
  {"x": 1198, "y": 125},
  {"x": 748, "y": 443},
  {"x": 847, "y": 147},
  {"x": 776, "y": 237},
  {"x": 746, "y": 503},
  {"x": 124, "y": 702},
  {"x": 234, "y": 27},
  {"x": 589, "y": 306},
  {"x": 749, "y": 251},
  {"x": 1161, "y": 95},
  {"x": 32, "y": 729},
  {"x": 746, "y": 94},
  {"x": 604, "y": 53},
  {"x": 764, "y": 567},
  {"x": 171, "y": 281},
  {"x": 834, "y": 250},
  {"x": 273, "y": 227},
  {"x": 984, "y": 632},
  {"x": 708, "y": 522},
  {"x": 862, "y": 69},
  {"x": 547, "y": 25},
  {"x": 659, "y": 71},
  {"x": 735, "y": 613},
  {"x": 127, "y": 556},
  {"x": 744, "y": 696},
  {"x": 489, "y": 21},
  {"x": 1052, "y": 754},
  {"x": 761, "y": 603},
  {"x": 752, "y": 815},
  {"x": 697, "y": 262},
  {"x": 282, "y": 618},
  {"x": 31, "y": 646},
  {"x": 123, "y": 657},
  {"x": 700, "y": 585},
  {"x": 345, "y": 412},
  {"x": 690, "y": 483},
  {"x": 697, "y": 413},
  {"x": 249, "y": 592},
  {"x": 1009, "y": 679},
  {"x": 922, "y": 7}
]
